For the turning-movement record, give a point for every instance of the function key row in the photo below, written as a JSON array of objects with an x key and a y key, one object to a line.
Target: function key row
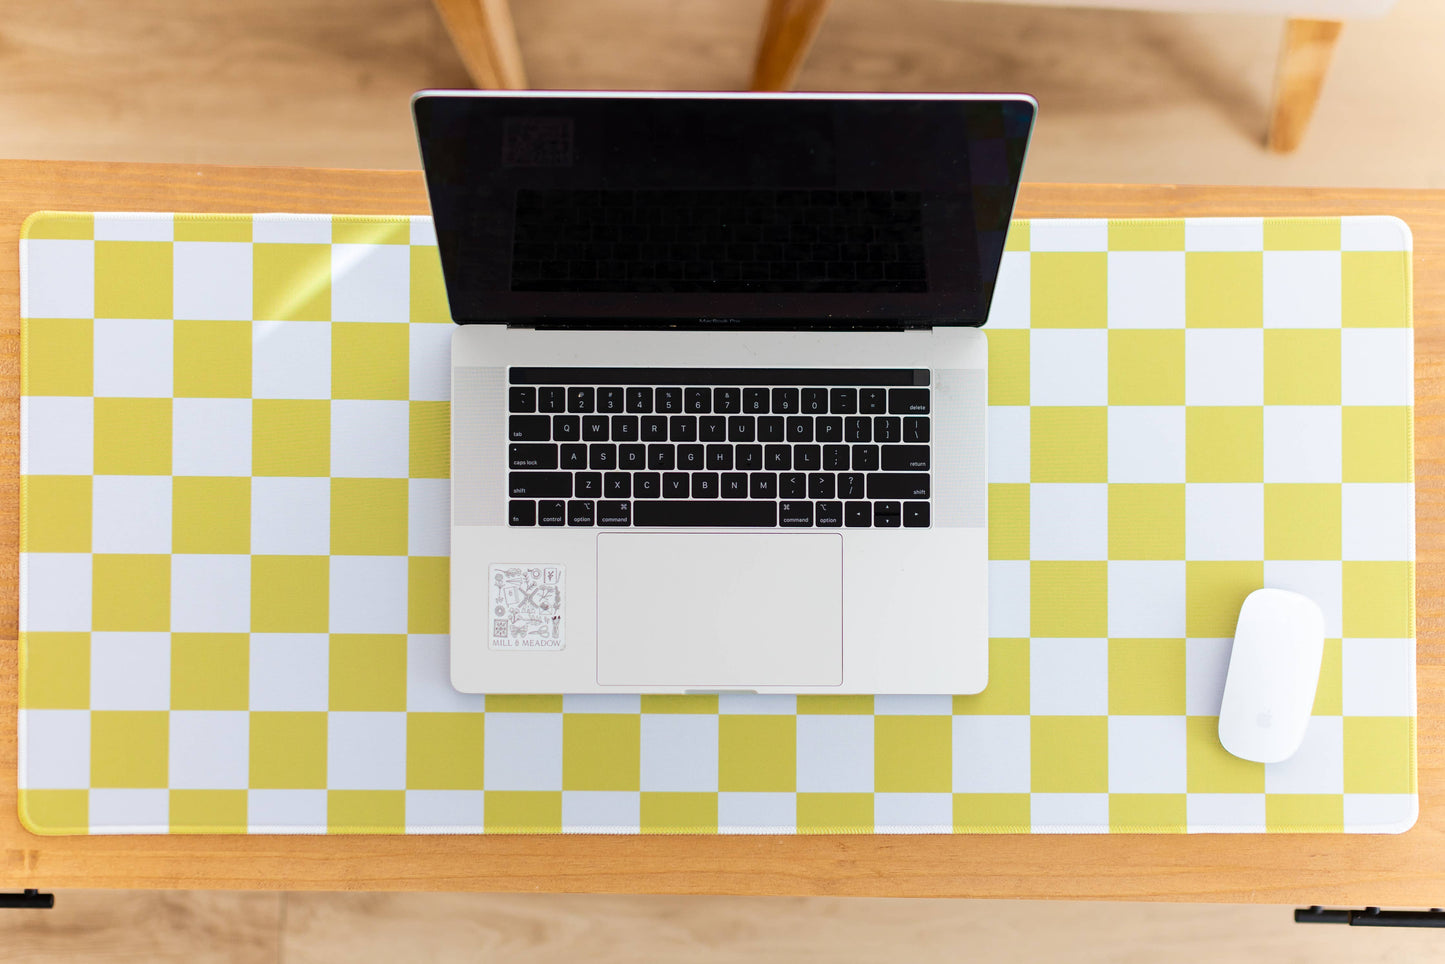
[
  {"x": 912, "y": 429},
  {"x": 794, "y": 514},
  {"x": 586, "y": 400}
]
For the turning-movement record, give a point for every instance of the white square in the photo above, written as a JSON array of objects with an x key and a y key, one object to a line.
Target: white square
[
  {"x": 212, "y": 280},
  {"x": 912, "y": 704},
  {"x": 678, "y": 753},
  {"x": 286, "y": 811},
  {"x": 1146, "y": 289},
  {"x": 1322, "y": 581},
  {"x": 131, "y": 513},
  {"x": 757, "y": 704},
  {"x": 445, "y": 811},
  {"x": 291, "y": 229},
  {"x": 1378, "y": 677},
  {"x": 991, "y": 754},
  {"x": 1224, "y": 234},
  {"x": 1301, "y": 289},
  {"x": 1011, "y": 294},
  {"x": 1380, "y": 812},
  {"x": 291, "y": 359},
  {"x": 366, "y": 751},
  {"x": 757, "y": 813},
  {"x": 608, "y": 703},
  {"x": 1069, "y": 366},
  {"x": 57, "y": 278},
  {"x": 130, "y": 811},
  {"x": 428, "y": 679},
  {"x": 1224, "y": 366},
  {"x": 290, "y": 516},
  {"x": 1225, "y": 812},
  {"x": 54, "y": 748},
  {"x": 1146, "y": 443},
  {"x": 1069, "y": 812},
  {"x": 368, "y": 594},
  {"x": 423, "y": 231},
  {"x": 429, "y": 517},
  {"x": 133, "y": 357},
  {"x": 210, "y": 594},
  {"x": 1008, "y": 598},
  {"x": 913, "y": 812},
  {"x": 523, "y": 751},
  {"x": 124, "y": 226},
  {"x": 1008, "y": 443},
  {"x": 430, "y": 362},
  {"x": 1068, "y": 677},
  {"x": 1147, "y": 754},
  {"x": 1377, "y": 366},
  {"x": 1069, "y": 521},
  {"x": 1318, "y": 766},
  {"x": 1206, "y": 664},
  {"x": 371, "y": 282},
  {"x": 1224, "y": 520},
  {"x": 835, "y": 754},
  {"x": 1302, "y": 443},
  {"x": 290, "y": 672},
  {"x": 55, "y": 590},
  {"x": 1374, "y": 233},
  {"x": 601, "y": 811},
  {"x": 57, "y": 436},
  {"x": 370, "y": 439},
  {"x": 1379, "y": 520},
  {"x": 211, "y": 436},
  {"x": 210, "y": 750},
  {"x": 1146, "y": 598},
  {"x": 1069, "y": 234},
  {"x": 130, "y": 671}
]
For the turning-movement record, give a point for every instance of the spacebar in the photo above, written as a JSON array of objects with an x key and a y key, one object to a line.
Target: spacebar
[{"x": 755, "y": 514}]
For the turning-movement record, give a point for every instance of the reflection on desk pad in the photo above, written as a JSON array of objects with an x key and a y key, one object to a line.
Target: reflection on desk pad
[{"x": 234, "y": 553}]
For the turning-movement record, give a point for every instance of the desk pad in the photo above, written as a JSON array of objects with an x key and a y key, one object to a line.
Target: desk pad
[{"x": 233, "y": 605}]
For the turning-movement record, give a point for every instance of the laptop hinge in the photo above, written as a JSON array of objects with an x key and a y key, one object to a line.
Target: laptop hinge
[{"x": 791, "y": 325}]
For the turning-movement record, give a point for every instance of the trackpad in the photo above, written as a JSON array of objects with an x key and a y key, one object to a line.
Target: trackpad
[{"x": 705, "y": 611}]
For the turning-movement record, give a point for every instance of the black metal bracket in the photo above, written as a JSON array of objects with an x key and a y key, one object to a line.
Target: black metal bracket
[
  {"x": 1371, "y": 917},
  {"x": 29, "y": 900}
]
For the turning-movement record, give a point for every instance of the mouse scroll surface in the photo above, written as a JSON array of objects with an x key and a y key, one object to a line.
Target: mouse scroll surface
[{"x": 1274, "y": 669}]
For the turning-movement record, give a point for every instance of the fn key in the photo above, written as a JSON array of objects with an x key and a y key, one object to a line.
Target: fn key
[{"x": 522, "y": 512}]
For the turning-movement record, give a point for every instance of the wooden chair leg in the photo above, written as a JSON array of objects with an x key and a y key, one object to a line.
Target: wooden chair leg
[
  {"x": 483, "y": 34},
  {"x": 1304, "y": 58},
  {"x": 788, "y": 32}
]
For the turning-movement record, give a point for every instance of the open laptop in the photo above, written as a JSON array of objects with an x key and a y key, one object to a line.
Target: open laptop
[{"x": 718, "y": 388}]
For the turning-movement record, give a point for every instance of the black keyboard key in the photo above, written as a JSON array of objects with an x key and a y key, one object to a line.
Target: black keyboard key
[
  {"x": 588, "y": 485},
  {"x": 897, "y": 485},
  {"x": 792, "y": 485},
  {"x": 734, "y": 485},
  {"x": 574, "y": 456},
  {"x": 712, "y": 428},
  {"x": 778, "y": 458},
  {"x": 785, "y": 400},
  {"x": 872, "y": 401},
  {"x": 829, "y": 514},
  {"x": 551, "y": 398},
  {"x": 821, "y": 485},
  {"x": 691, "y": 458},
  {"x": 611, "y": 401},
  {"x": 594, "y": 428},
  {"x": 624, "y": 428},
  {"x": 539, "y": 485},
  {"x": 646, "y": 485},
  {"x": 851, "y": 486},
  {"x": 704, "y": 485},
  {"x": 828, "y": 429},
  {"x": 602, "y": 456},
  {"x": 612, "y": 513},
  {"x": 887, "y": 428},
  {"x": 698, "y": 401},
  {"x": 741, "y": 428},
  {"x": 905, "y": 458},
  {"x": 617, "y": 485},
  {"x": 581, "y": 512},
  {"x": 835, "y": 458},
  {"x": 566, "y": 428},
  {"x": 908, "y": 401},
  {"x": 755, "y": 401},
  {"x": 639, "y": 400},
  {"x": 528, "y": 428},
  {"x": 915, "y": 430},
  {"x": 815, "y": 401},
  {"x": 580, "y": 400},
  {"x": 552, "y": 513},
  {"x": 669, "y": 400},
  {"x": 521, "y": 399},
  {"x": 857, "y": 428},
  {"x": 720, "y": 457},
  {"x": 682, "y": 428},
  {"x": 748, "y": 458},
  {"x": 532, "y": 455},
  {"x": 858, "y": 515},
  {"x": 915, "y": 515},
  {"x": 795, "y": 514},
  {"x": 770, "y": 429},
  {"x": 701, "y": 514},
  {"x": 800, "y": 428},
  {"x": 809, "y": 458},
  {"x": 726, "y": 401},
  {"x": 674, "y": 485},
  {"x": 631, "y": 458},
  {"x": 865, "y": 458},
  {"x": 661, "y": 458},
  {"x": 843, "y": 401},
  {"x": 522, "y": 512},
  {"x": 654, "y": 428},
  {"x": 887, "y": 515},
  {"x": 763, "y": 485}
]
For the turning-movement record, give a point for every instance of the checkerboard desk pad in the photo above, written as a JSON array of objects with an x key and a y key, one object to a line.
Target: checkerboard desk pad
[{"x": 234, "y": 553}]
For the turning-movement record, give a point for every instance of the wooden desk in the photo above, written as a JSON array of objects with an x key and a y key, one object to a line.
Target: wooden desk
[{"x": 1399, "y": 870}]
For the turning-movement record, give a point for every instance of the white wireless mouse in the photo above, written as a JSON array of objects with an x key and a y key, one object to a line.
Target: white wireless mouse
[{"x": 1274, "y": 669}]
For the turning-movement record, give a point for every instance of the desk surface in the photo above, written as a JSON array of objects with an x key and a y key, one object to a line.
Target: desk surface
[{"x": 1408, "y": 869}]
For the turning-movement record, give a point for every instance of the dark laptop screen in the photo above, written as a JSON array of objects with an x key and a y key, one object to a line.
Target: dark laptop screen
[{"x": 650, "y": 210}]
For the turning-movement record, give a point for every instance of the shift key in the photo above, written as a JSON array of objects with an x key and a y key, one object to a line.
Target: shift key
[
  {"x": 540, "y": 485},
  {"x": 896, "y": 485}
]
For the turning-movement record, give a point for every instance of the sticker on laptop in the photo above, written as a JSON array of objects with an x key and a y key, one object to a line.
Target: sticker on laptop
[{"x": 527, "y": 608}]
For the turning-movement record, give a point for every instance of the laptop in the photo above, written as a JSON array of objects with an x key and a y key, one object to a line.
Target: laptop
[{"x": 718, "y": 386}]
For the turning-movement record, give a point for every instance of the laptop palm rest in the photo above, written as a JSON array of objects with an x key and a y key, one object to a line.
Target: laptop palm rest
[{"x": 712, "y": 611}]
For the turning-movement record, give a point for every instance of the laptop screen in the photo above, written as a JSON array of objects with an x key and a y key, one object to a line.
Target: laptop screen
[{"x": 647, "y": 209}]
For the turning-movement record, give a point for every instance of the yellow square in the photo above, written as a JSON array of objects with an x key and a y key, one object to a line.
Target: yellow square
[
  {"x": 428, "y": 292},
  {"x": 211, "y": 514},
  {"x": 1379, "y": 754},
  {"x": 213, "y": 227},
  {"x": 1301, "y": 234},
  {"x": 291, "y": 282},
  {"x": 835, "y": 813},
  {"x": 1007, "y": 692},
  {"x": 913, "y": 754},
  {"x": 1069, "y": 754},
  {"x": 133, "y": 279},
  {"x": 526, "y": 703},
  {"x": 523, "y": 811},
  {"x": 210, "y": 671},
  {"x": 1069, "y": 444},
  {"x": 1146, "y": 367},
  {"x": 991, "y": 813},
  {"x": 368, "y": 672},
  {"x": 290, "y": 436},
  {"x": 1329, "y": 694},
  {"x": 1224, "y": 289},
  {"x": 1304, "y": 813},
  {"x": 428, "y": 589},
  {"x": 444, "y": 751},
  {"x": 841, "y": 705},
  {"x": 1146, "y": 521},
  {"x": 430, "y": 440},
  {"x": 601, "y": 751},
  {"x": 54, "y": 671},
  {"x": 1378, "y": 444},
  {"x": 212, "y": 359},
  {"x": 369, "y": 360},
  {"x": 1379, "y": 600},
  {"x": 129, "y": 748},
  {"x": 366, "y": 811},
  {"x": 208, "y": 811},
  {"x": 1302, "y": 366},
  {"x": 757, "y": 753},
  {"x": 1018, "y": 236},
  {"x": 1146, "y": 234},
  {"x": 1069, "y": 289},
  {"x": 1148, "y": 813},
  {"x": 1212, "y": 768},
  {"x": 288, "y": 751},
  {"x": 1375, "y": 289},
  {"x": 1213, "y": 593},
  {"x": 1008, "y": 520},
  {"x": 58, "y": 356},
  {"x": 1146, "y": 677},
  {"x": 1069, "y": 599},
  {"x": 678, "y": 813},
  {"x": 701, "y": 704},
  {"x": 57, "y": 513},
  {"x": 1302, "y": 521},
  {"x": 1224, "y": 443},
  {"x": 290, "y": 594},
  {"x": 352, "y": 230},
  {"x": 130, "y": 593},
  {"x": 55, "y": 811},
  {"x": 59, "y": 226},
  {"x": 1008, "y": 366},
  {"x": 132, "y": 436},
  {"x": 368, "y": 517}
]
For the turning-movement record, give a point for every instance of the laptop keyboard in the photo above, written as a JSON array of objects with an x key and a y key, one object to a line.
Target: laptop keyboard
[{"x": 724, "y": 447}]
